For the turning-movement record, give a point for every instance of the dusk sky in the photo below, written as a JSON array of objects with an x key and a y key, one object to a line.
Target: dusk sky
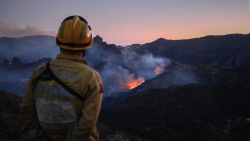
[{"x": 128, "y": 21}]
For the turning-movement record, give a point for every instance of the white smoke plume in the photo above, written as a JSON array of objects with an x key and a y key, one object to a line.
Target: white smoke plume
[{"x": 120, "y": 67}]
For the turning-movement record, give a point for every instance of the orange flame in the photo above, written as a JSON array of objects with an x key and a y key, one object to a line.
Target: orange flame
[
  {"x": 133, "y": 83},
  {"x": 159, "y": 69}
]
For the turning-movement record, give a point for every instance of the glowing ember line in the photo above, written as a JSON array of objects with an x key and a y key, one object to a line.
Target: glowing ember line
[{"x": 133, "y": 83}]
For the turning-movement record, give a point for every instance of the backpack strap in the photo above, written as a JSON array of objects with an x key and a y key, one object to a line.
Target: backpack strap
[{"x": 48, "y": 74}]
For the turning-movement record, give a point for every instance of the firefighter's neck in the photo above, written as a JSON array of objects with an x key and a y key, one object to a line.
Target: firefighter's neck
[{"x": 75, "y": 55}]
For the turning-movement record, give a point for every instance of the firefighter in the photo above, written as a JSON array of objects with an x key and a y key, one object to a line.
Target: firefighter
[{"x": 63, "y": 98}]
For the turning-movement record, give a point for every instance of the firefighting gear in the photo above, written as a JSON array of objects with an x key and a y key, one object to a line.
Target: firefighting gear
[
  {"x": 48, "y": 74},
  {"x": 74, "y": 34},
  {"x": 49, "y": 112}
]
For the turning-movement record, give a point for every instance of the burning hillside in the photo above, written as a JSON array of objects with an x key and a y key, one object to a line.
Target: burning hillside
[
  {"x": 133, "y": 83},
  {"x": 125, "y": 69}
]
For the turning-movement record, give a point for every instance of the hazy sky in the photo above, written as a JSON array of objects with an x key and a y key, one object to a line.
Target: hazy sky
[{"x": 128, "y": 21}]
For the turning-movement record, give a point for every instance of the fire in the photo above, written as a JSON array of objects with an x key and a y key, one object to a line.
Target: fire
[
  {"x": 159, "y": 69},
  {"x": 133, "y": 83}
]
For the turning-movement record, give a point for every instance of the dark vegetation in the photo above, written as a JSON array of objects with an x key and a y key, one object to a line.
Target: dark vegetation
[
  {"x": 194, "y": 112},
  {"x": 9, "y": 116}
]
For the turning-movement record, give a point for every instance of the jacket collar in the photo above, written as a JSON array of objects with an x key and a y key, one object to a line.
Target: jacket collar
[{"x": 70, "y": 57}]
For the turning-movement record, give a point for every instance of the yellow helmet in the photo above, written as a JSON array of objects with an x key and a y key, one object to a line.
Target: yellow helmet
[{"x": 74, "y": 34}]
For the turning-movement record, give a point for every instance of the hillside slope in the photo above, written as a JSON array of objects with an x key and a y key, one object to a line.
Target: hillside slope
[{"x": 192, "y": 112}]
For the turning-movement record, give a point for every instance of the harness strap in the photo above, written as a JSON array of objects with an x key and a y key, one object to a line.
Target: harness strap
[{"x": 48, "y": 74}]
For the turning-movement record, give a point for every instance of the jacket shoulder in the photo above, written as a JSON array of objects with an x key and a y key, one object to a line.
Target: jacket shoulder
[
  {"x": 38, "y": 70},
  {"x": 94, "y": 74}
]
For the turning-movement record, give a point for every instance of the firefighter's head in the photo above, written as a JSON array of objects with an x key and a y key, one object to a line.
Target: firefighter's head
[{"x": 74, "y": 35}]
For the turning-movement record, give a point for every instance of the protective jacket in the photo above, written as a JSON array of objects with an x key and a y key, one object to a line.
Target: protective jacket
[{"x": 49, "y": 112}]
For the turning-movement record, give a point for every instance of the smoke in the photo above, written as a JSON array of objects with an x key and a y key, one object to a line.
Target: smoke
[
  {"x": 114, "y": 76},
  {"x": 120, "y": 66},
  {"x": 10, "y": 30},
  {"x": 143, "y": 65},
  {"x": 27, "y": 49}
]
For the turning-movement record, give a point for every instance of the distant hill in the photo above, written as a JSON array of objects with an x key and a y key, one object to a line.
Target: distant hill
[
  {"x": 28, "y": 49},
  {"x": 231, "y": 50},
  {"x": 132, "y": 62}
]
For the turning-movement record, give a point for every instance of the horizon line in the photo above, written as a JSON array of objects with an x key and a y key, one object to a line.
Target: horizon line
[{"x": 134, "y": 43}]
